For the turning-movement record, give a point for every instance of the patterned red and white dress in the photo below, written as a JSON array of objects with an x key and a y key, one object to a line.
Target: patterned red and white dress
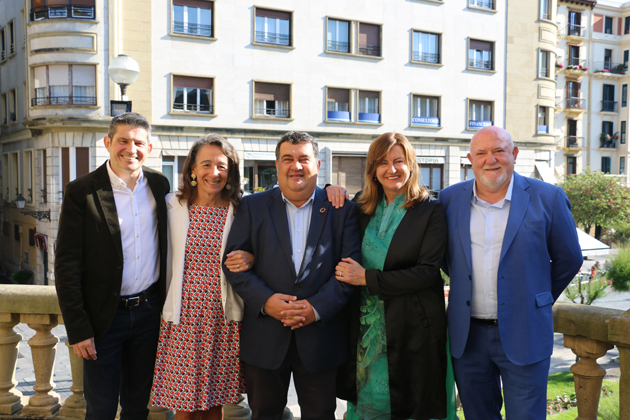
[{"x": 197, "y": 365}]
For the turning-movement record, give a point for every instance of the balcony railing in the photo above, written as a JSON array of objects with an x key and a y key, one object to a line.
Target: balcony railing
[
  {"x": 338, "y": 46},
  {"x": 545, "y": 15},
  {"x": 192, "y": 29},
  {"x": 63, "y": 100},
  {"x": 576, "y": 64},
  {"x": 37, "y": 307},
  {"x": 62, "y": 12},
  {"x": 271, "y": 112},
  {"x": 480, "y": 64},
  {"x": 206, "y": 109},
  {"x": 3, "y": 55},
  {"x": 484, "y": 4},
  {"x": 608, "y": 141},
  {"x": 12, "y": 49},
  {"x": 426, "y": 57},
  {"x": 544, "y": 72},
  {"x": 575, "y": 103},
  {"x": 609, "y": 67},
  {"x": 575, "y": 141},
  {"x": 367, "y": 49},
  {"x": 273, "y": 38},
  {"x": 609, "y": 106},
  {"x": 12, "y": 116},
  {"x": 575, "y": 30}
]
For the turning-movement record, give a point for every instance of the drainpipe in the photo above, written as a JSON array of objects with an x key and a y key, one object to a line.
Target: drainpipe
[{"x": 590, "y": 100}]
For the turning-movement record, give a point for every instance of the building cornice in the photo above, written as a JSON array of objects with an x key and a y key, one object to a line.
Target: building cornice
[{"x": 587, "y": 3}]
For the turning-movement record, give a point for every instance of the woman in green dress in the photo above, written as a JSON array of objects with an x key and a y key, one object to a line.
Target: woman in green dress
[{"x": 398, "y": 360}]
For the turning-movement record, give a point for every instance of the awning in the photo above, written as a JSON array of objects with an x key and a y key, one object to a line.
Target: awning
[
  {"x": 545, "y": 172},
  {"x": 591, "y": 246}
]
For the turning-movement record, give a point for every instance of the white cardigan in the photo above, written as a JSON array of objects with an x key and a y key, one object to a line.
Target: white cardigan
[{"x": 178, "y": 223}]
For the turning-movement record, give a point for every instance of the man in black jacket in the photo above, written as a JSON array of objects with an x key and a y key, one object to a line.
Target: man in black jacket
[{"x": 110, "y": 271}]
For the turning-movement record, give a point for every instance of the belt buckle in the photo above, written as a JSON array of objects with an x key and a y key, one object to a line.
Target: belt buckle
[{"x": 133, "y": 301}]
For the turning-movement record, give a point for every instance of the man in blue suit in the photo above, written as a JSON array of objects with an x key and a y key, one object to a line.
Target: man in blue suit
[
  {"x": 293, "y": 302},
  {"x": 512, "y": 250}
]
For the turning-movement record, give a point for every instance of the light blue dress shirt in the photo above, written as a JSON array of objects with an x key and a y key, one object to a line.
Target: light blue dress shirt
[
  {"x": 487, "y": 228},
  {"x": 299, "y": 222}
]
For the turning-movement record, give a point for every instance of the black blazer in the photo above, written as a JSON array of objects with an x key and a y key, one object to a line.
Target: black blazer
[
  {"x": 412, "y": 289},
  {"x": 88, "y": 259}
]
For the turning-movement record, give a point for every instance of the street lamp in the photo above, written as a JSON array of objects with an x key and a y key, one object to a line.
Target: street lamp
[
  {"x": 20, "y": 202},
  {"x": 124, "y": 70}
]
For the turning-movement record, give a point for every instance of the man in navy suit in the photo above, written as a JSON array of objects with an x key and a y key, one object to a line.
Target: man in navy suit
[
  {"x": 512, "y": 250},
  {"x": 293, "y": 302}
]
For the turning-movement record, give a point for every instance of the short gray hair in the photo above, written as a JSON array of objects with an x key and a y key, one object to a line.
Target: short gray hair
[
  {"x": 129, "y": 118},
  {"x": 295, "y": 137}
]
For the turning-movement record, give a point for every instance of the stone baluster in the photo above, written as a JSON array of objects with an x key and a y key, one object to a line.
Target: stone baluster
[
  {"x": 160, "y": 413},
  {"x": 237, "y": 411},
  {"x": 619, "y": 334},
  {"x": 45, "y": 402},
  {"x": 587, "y": 374},
  {"x": 75, "y": 403},
  {"x": 10, "y": 398}
]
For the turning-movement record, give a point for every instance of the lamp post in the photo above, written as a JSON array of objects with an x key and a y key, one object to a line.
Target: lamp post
[
  {"x": 123, "y": 70},
  {"x": 20, "y": 202}
]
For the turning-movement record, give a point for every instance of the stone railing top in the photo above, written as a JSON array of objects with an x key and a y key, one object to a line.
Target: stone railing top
[
  {"x": 589, "y": 321},
  {"x": 25, "y": 299}
]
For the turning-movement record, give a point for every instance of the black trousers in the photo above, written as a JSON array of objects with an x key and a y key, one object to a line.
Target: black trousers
[{"x": 267, "y": 389}]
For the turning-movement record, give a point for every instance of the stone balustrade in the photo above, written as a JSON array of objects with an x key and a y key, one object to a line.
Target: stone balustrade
[{"x": 37, "y": 307}]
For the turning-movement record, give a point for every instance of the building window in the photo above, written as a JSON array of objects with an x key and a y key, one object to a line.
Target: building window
[
  {"x": 4, "y": 116},
  {"x": 426, "y": 47},
  {"x": 626, "y": 56},
  {"x": 626, "y": 26},
  {"x": 193, "y": 17},
  {"x": 571, "y": 165},
  {"x": 425, "y": 111},
  {"x": 544, "y": 70},
  {"x": 608, "y": 25},
  {"x": 273, "y": 27},
  {"x": 606, "y": 164},
  {"x": 479, "y": 114},
  {"x": 480, "y": 55},
  {"x": 608, "y": 64},
  {"x": 543, "y": 120},
  {"x": 75, "y": 162},
  {"x": 193, "y": 94},
  {"x": 369, "y": 39},
  {"x": 466, "y": 172},
  {"x": 13, "y": 105},
  {"x": 622, "y": 165},
  {"x": 338, "y": 105},
  {"x": 3, "y": 47},
  {"x": 272, "y": 100},
  {"x": 65, "y": 84},
  {"x": 624, "y": 95},
  {"x": 349, "y": 172},
  {"x": 11, "y": 175},
  {"x": 608, "y": 99},
  {"x": 62, "y": 9},
  {"x": 259, "y": 175},
  {"x": 28, "y": 175},
  {"x": 338, "y": 36},
  {"x": 545, "y": 9},
  {"x": 622, "y": 133},
  {"x": 11, "y": 38},
  {"x": 172, "y": 167},
  {"x": 431, "y": 176},
  {"x": 44, "y": 183},
  {"x": 575, "y": 23},
  {"x": 482, "y": 4},
  {"x": 369, "y": 107},
  {"x": 607, "y": 139}
]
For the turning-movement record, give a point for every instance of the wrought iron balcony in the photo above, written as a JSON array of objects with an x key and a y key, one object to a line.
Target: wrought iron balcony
[
  {"x": 575, "y": 141},
  {"x": 273, "y": 38},
  {"x": 576, "y": 64},
  {"x": 367, "y": 49},
  {"x": 575, "y": 30},
  {"x": 575, "y": 103},
  {"x": 271, "y": 112},
  {"x": 12, "y": 49},
  {"x": 484, "y": 4},
  {"x": 202, "y": 108},
  {"x": 192, "y": 29},
  {"x": 63, "y": 100},
  {"x": 3, "y": 55},
  {"x": 336, "y": 46},
  {"x": 480, "y": 64},
  {"x": 607, "y": 66},
  {"x": 68, "y": 11},
  {"x": 544, "y": 72},
  {"x": 426, "y": 57},
  {"x": 609, "y": 106}
]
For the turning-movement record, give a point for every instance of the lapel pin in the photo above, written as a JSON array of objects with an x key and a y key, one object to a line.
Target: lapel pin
[{"x": 322, "y": 210}]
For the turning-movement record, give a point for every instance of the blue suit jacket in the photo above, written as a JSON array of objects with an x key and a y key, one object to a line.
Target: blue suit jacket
[
  {"x": 539, "y": 257},
  {"x": 261, "y": 227}
]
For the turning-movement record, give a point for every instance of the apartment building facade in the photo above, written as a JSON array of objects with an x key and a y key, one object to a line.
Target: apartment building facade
[{"x": 345, "y": 71}]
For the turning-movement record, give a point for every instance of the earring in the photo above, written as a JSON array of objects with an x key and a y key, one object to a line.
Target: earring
[
  {"x": 228, "y": 186},
  {"x": 193, "y": 182}
]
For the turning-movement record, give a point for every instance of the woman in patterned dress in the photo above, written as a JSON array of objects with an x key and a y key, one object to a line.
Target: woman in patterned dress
[
  {"x": 397, "y": 365},
  {"x": 198, "y": 368}
]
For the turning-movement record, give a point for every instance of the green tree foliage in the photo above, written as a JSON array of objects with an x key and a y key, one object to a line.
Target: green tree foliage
[
  {"x": 597, "y": 200},
  {"x": 619, "y": 273},
  {"x": 619, "y": 234},
  {"x": 586, "y": 293}
]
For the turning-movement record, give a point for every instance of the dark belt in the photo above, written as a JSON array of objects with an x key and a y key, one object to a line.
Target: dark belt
[
  {"x": 485, "y": 321},
  {"x": 130, "y": 301}
]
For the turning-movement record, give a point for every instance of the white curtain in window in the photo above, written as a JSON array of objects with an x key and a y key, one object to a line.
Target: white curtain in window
[
  {"x": 59, "y": 91},
  {"x": 425, "y": 107},
  {"x": 480, "y": 112},
  {"x": 369, "y": 105},
  {"x": 282, "y": 108},
  {"x": 338, "y": 106}
]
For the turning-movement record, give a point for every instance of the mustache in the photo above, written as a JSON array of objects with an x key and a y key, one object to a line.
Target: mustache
[{"x": 495, "y": 166}]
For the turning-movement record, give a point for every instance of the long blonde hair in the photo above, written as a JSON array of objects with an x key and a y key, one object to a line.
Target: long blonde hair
[{"x": 373, "y": 191}]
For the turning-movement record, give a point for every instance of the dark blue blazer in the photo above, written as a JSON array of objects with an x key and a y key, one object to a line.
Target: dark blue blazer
[
  {"x": 261, "y": 227},
  {"x": 539, "y": 257}
]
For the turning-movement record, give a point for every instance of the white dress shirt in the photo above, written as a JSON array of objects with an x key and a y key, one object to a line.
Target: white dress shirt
[
  {"x": 137, "y": 218},
  {"x": 487, "y": 228}
]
